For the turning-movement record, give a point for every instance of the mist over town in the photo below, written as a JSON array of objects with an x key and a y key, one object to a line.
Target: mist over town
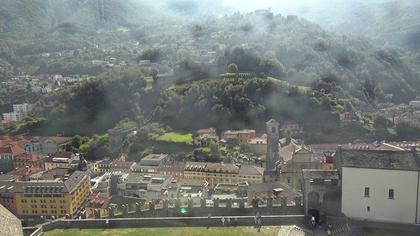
[{"x": 201, "y": 117}]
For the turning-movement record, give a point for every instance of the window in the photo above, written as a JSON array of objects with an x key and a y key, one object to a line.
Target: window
[
  {"x": 367, "y": 192},
  {"x": 368, "y": 209},
  {"x": 391, "y": 194}
]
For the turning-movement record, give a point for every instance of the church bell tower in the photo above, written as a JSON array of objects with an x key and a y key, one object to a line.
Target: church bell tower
[{"x": 273, "y": 157}]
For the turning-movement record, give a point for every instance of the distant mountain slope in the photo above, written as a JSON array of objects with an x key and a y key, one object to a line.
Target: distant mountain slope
[
  {"x": 345, "y": 66},
  {"x": 31, "y": 17},
  {"x": 349, "y": 67},
  {"x": 392, "y": 22}
]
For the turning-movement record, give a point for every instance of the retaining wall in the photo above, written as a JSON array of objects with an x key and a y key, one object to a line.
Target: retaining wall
[{"x": 165, "y": 222}]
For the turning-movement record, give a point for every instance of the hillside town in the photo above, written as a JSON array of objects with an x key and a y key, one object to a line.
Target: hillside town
[
  {"x": 43, "y": 180},
  {"x": 202, "y": 117}
]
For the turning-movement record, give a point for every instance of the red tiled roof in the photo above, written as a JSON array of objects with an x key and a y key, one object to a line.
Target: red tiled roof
[
  {"x": 57, "y": 139},
  {"x": 206, "y": 131},
  {"x": 28, "y": 158},
  {"x": 63, "y": 154},
  {"x": 5, "y": 150},
  {"x": 60, "y": 140},
  {"x": 6, "y": 122},
  {"x": 17, "y": 143},
  {"x": 22, "y": 172},
  {"x": 17, "y": 150},
  {"x": 12, "y": 149},
  {"x": 98, "y": 201}
]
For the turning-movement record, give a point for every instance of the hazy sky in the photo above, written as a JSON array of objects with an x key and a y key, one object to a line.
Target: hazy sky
[
  {"x": 276, "y": 5},
  {"x": 295, "y": 6}
]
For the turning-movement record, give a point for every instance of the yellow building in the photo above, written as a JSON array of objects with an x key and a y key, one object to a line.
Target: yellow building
[
  {"x": 51, "y": 197},
  {"x": 215, "y": 173},
  {"x": 101, "y": 167}
]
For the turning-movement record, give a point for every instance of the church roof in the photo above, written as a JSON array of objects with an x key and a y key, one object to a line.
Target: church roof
[{"x": 272, "y": 121}]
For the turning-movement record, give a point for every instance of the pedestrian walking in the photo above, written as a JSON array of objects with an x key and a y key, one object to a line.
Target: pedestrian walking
[
  {"x": 329, "y": 230},
  {"x": 228, "y": 220},
  {"x": 255, "y": 221},
  {"x": 209, "y": 220},
  {"x": 223, "y": 221}
]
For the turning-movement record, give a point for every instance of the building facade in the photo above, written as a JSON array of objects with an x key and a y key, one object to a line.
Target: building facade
[
  {"x": 20, "y": 112},
  {"x": 36, "y": 145},
  {"x": 48, "y": 198},
  {"x": 380, "y": 195},
  {"x": 7, "y": 159},
  {"x": 241, "y": 135},
  {"x": 63, "y": 160},
  {"x": 380, "y": 185},
  {"x": 291, "y": 171},
  {"x": 321, "y": 192},
  {"x": 222, "y": 173},
  {"x": 24, "y": 160},
  {"x": 258, "y": 145},
  {"x": 101, "y": 167}
]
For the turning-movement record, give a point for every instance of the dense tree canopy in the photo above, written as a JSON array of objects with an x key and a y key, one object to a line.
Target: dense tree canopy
[
  {"x": 6, "y": 70},
  {"x": 96, "y": 105}
]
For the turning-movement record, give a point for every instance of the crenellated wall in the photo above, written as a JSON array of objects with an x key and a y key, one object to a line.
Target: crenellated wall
[{"x": 166, "y": 222}]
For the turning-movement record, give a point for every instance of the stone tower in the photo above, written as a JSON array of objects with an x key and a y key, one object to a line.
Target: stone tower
[{"x": 273, "y": 136}]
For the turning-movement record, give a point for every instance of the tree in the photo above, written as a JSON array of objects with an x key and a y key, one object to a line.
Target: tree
[
  {"x": 244, "y": 148},
  {"x": 272, "y": 67},
  {"x": 214, "y": 150},
  {"x": 408, "y": 131},
  {"x": 232, "y": 68},
  {"x": 6, "y": 70},
  {"x": 151, "y": 54},
  {"x": 372, "y": 89},
  {"x": 246, "y": 58},
  {"x": 96, "y": 148},
  {"x": 380, "y": 122}
]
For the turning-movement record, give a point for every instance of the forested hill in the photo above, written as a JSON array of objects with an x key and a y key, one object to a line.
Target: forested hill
[
  {"x": 287, "y": 48},
  {"x": 386, "y": 22},
  {"x": 343, "y": 65},
  {"x": 30, "y": 18}
]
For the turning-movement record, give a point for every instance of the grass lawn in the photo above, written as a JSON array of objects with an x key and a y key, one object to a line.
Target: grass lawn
[
  {"x": 191, "y": 231},
  {"x": 149, "y": 83},
  {"x": 176, "y": 138},
  {"x": 388, "y": 232}
]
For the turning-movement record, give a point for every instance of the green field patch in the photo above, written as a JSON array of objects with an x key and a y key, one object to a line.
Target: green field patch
[
  {"x": 388, "y": 232},
  {"x": 176, "y": 138},
  {"x": 149, "y": 83},
  {"x": 181, "y": 231}
]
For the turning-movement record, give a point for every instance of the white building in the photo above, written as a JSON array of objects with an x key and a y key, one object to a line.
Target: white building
[
  {"x": 23, "y": 108},
  {"x": 415, "y": 104},
  {"x": 63, "y": 160},
  {"x": 20, "y": 112},
  {"x": 13, "y": 116},
  {"x": 138, "y": 185},
  {"x": 380, "y": 186}
]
